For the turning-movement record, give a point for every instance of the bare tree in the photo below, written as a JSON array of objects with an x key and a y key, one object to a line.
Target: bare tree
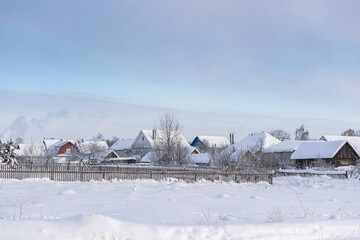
[
  {"x": 19, "y": 140},
  {"x": 49, "y": 155},
  {"x": 98, "y": 136},
  {"x": 322, "y": 164},
  {"x": 90, "y": 151},
  {"x": 204, "y": 147},
  {"x": 227, "y": 159},
  {"x": 181, "y": 155},
  {"x": 34, "y": 153},
  {"x": 169, "y": 146},
  {"x": 301, "y": 133},
  {"x": 351, "y": 132},
  {"x": 280, "y": 134},
  {"x": 111, "y": 141}
]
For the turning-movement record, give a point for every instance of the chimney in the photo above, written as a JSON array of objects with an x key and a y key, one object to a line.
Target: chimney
[
  {"x": 232, "y": 138},
  {"x": 154, "y": 134}
]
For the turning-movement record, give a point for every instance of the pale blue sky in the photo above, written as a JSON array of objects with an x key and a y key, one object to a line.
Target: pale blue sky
[{"x": 220, "y": 66}]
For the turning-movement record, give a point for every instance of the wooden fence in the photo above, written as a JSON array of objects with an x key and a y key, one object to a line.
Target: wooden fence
[
  {"x": 84, "y": 173},
  {"x": 339, "y": 175}
]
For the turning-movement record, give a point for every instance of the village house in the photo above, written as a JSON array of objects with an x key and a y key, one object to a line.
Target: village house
[
  {"x": 281, "y": 152},
  {"x": 61, "y": 151},
  {"x": 148, "y": 140},
  {"x": 254, "y": 142},
  {"x": 122, "y": 147},
  {"x": 334, "y": 153},
  {"x": 112, "y": 158},
  {"x": 210, "y": 143}
]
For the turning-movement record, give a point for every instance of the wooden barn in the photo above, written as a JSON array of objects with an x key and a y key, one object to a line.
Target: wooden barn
[
  {"x": 62, "y": 148},
  {"x": 281, "y": 152},
  {"x": 335, "y": 153}
]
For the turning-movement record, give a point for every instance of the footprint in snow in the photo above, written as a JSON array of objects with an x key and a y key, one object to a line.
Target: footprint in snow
[
  {"x": 223, "y": 196},
  {"x": 67, "y": 192},
  {"x": 255, "y": 197},
  {"x": 229, "y": 218}
]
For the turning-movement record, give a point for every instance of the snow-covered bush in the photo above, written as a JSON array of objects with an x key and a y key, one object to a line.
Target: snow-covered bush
[
  {"x": 276, "y": 216},
  {"x": 7, "y": 155}
]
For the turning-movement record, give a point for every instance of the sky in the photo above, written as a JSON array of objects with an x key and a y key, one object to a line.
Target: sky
[{"x": 71, "y": 69}]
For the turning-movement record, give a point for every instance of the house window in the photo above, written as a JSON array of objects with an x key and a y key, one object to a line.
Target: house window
[
  {"x": 68, "y": 151},
  {"x": 143, "y": 138}
]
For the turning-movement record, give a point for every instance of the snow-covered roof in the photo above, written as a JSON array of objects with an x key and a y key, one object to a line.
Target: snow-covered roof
[
  {"x": 353, "y": 141},
  {"x": 160, "y": 134},
  {"x": 54, "y": 148},
  {"x": 148, "y": 158},
  {"x": 108, "y": 152},
  {"x": 317, "y": 150},
  {"x": 202, "y": 158},
  {"x": 122, "y": 144},
  {"x": 214, "y": 141},
  {"x": 49, "y": 142},
  {"x": 256, "y": 141},
  {"x": 285, "y": 146},
  {"x": 25, "y": 148}
]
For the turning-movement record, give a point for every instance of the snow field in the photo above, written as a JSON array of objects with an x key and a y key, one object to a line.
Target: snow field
[{"x": 291, "y": 208}]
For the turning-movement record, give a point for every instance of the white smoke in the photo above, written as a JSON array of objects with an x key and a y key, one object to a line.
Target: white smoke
[{"x": 20, "y": 126}]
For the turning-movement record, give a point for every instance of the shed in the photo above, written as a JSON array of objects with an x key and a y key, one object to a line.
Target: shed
[
  {"x": 336, "y": 153},
  {"x": 282, "y": 151},
  {"x": 202, "y": 159}
]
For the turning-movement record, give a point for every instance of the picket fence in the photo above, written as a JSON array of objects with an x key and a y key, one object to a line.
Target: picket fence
[
  {"x": 333, "y": 174},
  {"x": 98, "y": 173}
]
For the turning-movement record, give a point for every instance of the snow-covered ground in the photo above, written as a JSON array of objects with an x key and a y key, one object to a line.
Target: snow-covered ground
[{"x": 291, "y": 208}]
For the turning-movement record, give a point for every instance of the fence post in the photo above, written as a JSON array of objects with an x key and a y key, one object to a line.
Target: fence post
[
  {"x": 52, "y": 173},
  {"x": 103, "y": 174},
  {"x": 81, "y": 174},
  {"x": 195, "y": 177},
  {"x": 271, "y": 178}
]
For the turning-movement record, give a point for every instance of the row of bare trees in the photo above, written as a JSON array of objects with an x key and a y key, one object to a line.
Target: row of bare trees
[
  {"x": 34, "y": 153},
  {"x": 300, "y": 134},
  {"x": 303, "y": 134}
]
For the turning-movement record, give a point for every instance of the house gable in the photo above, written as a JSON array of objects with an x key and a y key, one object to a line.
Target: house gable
[
  {"x": 111, "y": 154},
  {"x": 197, "y": 142},
  {"x": 68, "y": 148},
  {"x": 210, "y": 142},
  {"x": 141, "y": 141}
]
